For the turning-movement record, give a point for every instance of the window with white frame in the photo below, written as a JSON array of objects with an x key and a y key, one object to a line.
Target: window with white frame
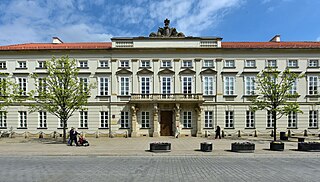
[
  {"x": 166, "y": 85},
  {"x": 313, "y": 85},
  {"x": 271, "y": 63},
  {"x": 187, "y": 63},
  {"x": 145, "y": 85},
  {"x": 250, "y": 117},
  {"x": 250, "y": 85},
  {"x": 229, "y": 85},
  {"x": 3, "y": 119},
  {"x": 187, "y": 119},
  {"x": 124, "y": 63},
  {"x": 270, "y": 120},
  {"x": 104, "y": 119},
  {"x": 83, "y": 64},
  {"x": 208, "y": 63},
  {"x": 208, "y": 85},
  {"x": 42, "y": 119},
  {"x": 3, "y": 86},
  {"x": 229, "y": 119},
  {"x": 42, "y": 85},
  {"x": 3, "y": 65},
  {"x": 292, "y": 119},
  {"x": 145, "y": 119},
  {"x": 166, "y": 64},
  {"x": 313, "y": 119},
  {"x": 124, "y": 85},
  {"x": 83, "y": 119},
  {"x": 145, "y": 63},
  {"x": 250, "y": 63},
  {"x": 293, "y": 88},
  {"x": 84, "y": 83},
  {"x": 61, "y": 124},
  {"x": 187, "y": 84},
  {"x": 22, "y": 64},
  {"x": 22, "y": 82},
  {"x": 103, "y": 64},
  {"x": 124, "y": 120},
  {"x": 22, "y": 119},
  {"x": 313, "y": 63},
  {"x": 292, "y": 63},
  {"x": 103, "y": 86},
  {"x": 208, "y": 119},
  {"x": 229, "y": 64},
  {"x": 41, "y": 64}
]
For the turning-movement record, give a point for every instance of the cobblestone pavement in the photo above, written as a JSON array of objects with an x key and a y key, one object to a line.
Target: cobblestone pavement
[{"x": 157, "y": 168}]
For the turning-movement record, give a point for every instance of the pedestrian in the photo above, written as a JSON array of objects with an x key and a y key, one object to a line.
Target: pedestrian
[
  {"x": 177, "y": 132},
  {"x": 218, "y": 133},
  {"x": 73, "y": 136}
]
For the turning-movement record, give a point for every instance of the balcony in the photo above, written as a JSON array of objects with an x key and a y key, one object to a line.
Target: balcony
[{"x": 140, "y": 98}]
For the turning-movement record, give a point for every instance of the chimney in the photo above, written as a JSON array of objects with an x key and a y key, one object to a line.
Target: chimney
[
  {"x": 56, "y": 40},
  {"x": 276, "y": 38}
]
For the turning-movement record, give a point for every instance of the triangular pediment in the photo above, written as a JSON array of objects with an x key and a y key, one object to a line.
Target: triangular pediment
[
  {"x": 187, "y": 71},
  {"x": 166, "y": 71},
  {"x": 144, "y": 71},
  {"x": 123, "y": 71},
  {"x": 208, "y": 71}
]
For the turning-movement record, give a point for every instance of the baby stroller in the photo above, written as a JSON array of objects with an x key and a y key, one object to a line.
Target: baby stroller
[{"x": 82, "y": 141}]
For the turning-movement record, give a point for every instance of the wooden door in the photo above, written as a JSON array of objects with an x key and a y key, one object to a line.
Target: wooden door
[{"x": 166, "y": 123}]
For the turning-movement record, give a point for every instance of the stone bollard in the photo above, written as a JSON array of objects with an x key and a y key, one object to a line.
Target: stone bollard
[
  {"x": 271, "y": 133},
  {"x": 305, "y": 133},
  {"x": 255, "y": 133},
  {"x": 289, "y": 133},
  {"x": 97, "y": 134},
  {"x": 222, "y": 133},
  {"x": 26, "y": 135},
  {"x": 41, "y": 135},
  {"x": 239, "y": 134}
]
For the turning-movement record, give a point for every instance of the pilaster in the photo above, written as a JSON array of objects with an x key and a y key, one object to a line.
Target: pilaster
[
  {"x": 134, "y": 110},
  {"x": 199, "y": 128},
  {"x": 156, "y": 132}
]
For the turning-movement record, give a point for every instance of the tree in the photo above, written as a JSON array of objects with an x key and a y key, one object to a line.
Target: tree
[
  {"x": 60, "y": 92},
  {"x": 9, "y": 91},
  {"x": 274, "y": 94}
]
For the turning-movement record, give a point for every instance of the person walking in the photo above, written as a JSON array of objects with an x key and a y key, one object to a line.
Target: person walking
[
  {"x": 218, "y": 132},
  {"x": 177, "y": 132},
  {"x": 73, "y": 136}
]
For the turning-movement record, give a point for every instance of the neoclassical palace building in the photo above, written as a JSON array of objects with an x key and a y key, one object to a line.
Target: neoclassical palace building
[{"x": 147, "y": 86}]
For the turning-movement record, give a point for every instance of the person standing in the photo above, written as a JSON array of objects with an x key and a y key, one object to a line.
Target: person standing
[
  {"x": 218, "y": 132},
  {"x": 177, "y": 132},
  {"x": 73, "y": 136}
]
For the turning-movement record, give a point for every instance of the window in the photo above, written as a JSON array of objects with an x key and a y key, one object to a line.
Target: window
[
  {"x": 83, "y": 64},
  {"x": 42, "y": 86},
  {"x": 124, "y": 64},
  {"x": 249, "y": 85},
  {"x": 103, "y": 86},
  {"x": 22, "y": 82},
  {"x": 292, "y": 64},
  {"x": 41, "y": 64},
  {"x": 293, "y": 88},
  {"x": 124, "y": 85},
  {"x": 145, "y": 119},
  {"x": 3, "y": 65},
  {"x": 187, "y": 119},
  {"x": 124, "y": 120},
  {"x": 166, "y": 64},
  {"x": 22, "y": 119},
  {"x": 313, "y": 119},
  {"x": 208, "y": 63},
  {"x": 145, "y": 86},
  {"x": 187, "y": 63},
  {"x": 250, "y": 63},
  {"x": 145, "y": 63},
  {"x": 42, "y": 119},
  {"x": 271, "y": 63},
  {"x": 313, "y": 63},
  {"x": 208, "y": 85},
  {"x": 104, "y": 118},
  {"x": 313, "y": 85},
  {"x": 61, "y": 124},
  {"x": 229, "y": 64},
  {"x": 3, "y": 119},
  {"x": 292, "y": 120},
  {"x": 229, "y": 85},
  {"x": 3, "y": 87},
  {"x": 22, "y": 64},
  {"x": 250, "y": 116},
  {"x": 187, "y": 84},
  {"x": 208, "y": 119},
  {"x": 270, "y": 120},
  {"x": 83, "y": 119},
  {"x": 103, "y": 64},
  {"x": 166, "y": 86},
  {"x": 84, "y": 83},
  {"x": 229, "y": 119}
]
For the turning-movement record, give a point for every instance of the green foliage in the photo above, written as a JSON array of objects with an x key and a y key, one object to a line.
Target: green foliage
[{"x": 9, "y": 91}]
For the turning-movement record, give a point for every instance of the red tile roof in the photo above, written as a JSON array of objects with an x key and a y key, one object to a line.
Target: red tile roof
[
  {"x": 62, "y": 46},
  {"x": 271, "y": 45}
]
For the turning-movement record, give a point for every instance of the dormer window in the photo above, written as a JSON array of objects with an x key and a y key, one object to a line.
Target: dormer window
[
  {"x": 145, "y": 64},
  {"x": 83, "y": 64},
  {"x": 313, "y": 63},
  {"x": 271, "y": 63},
  {"x": 292, "y": 63},
  {"x": 124, "y": 64},
  {"x": 250, "y": 63},
  {"x": 229, "y": 64},
  {"x": 103, "y": 64},
  {"x": 41, "y": 64},
  {"x": 208, "y": 63},
  {"x": 22, "y": 64},
  {"x": 166, "y": 64},
  {"x": 187, "y": 63}
]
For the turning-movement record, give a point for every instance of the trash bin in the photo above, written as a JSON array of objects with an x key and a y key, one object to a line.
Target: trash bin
[{"x": 283, "y": 136}]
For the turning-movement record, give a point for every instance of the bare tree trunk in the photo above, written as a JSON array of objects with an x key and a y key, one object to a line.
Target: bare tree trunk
[
  {"x": 64, "y": 131},
  {"x": 274, "y": 115}
]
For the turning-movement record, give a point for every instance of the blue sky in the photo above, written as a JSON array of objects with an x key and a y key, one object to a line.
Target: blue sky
[{"x": 26, "y": 21}]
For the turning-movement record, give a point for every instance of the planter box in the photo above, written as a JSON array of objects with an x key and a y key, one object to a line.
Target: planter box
[
  {"x": 277, "y": 146},
  {"x": 243, "y": 147},
  {"x": 308, "y": 146},
  {"x": 206, "y": 147},
  {"x": 160, "y": 147}
]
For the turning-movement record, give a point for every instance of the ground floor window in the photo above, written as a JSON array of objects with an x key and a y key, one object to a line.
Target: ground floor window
[
  {"x": 145, "y": 119},
  {"x": 124, "y": 120},
  {"x": 313, "y": 119},
  {"x": 42, "y": 119},
  {"x": 292, "y": 120},
  {"x": 3, "y": 119},
  {"x": 187, "y": 119},
  {"x": 104, "y": 118},
  {"x": 208, "y": 119},
  {"x": 250, "y": 116},
  {"x": 270, "y": 120},
  {"x": 229, "y": 119},
  {"x": 22, "y": 119},
  {"x": 83, "y": 119}
]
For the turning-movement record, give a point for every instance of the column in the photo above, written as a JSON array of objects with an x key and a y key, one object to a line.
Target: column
[
  {"x": 155, "y": 121},
  {"x": 199, "y": 127},
  {"x": 177, "y": 110},
  {"x": 134, "y": 110}
]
